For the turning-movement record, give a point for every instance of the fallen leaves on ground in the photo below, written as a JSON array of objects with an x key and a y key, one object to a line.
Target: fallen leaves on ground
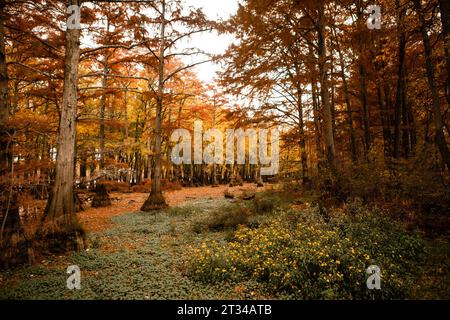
[{"x": 99, "y": 219}]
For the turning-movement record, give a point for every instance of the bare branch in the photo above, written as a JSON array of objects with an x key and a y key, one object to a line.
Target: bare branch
[
  {"x": 101, "y": 74},
  {"x": 112, "y": 46},
  {"x": 111, "y": 88},
  {"x": 34, "y": 69},
  {"x": 184, "y": 68}
]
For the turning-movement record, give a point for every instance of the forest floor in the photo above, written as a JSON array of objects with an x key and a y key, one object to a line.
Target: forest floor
[
  {"x": 139, "y": 255},
  {"x": 133, "y": 254},
  {"x": 98, "y": 219}
]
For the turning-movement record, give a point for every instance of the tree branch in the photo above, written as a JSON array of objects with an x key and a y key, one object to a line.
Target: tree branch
[{"x": 184, "y": 68}]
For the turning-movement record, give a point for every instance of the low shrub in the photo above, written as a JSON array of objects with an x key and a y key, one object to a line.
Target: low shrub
[
  {"x": 182, "y": 211},
  {"x": 249, "y": 213},
  {"x": 171, "y": 185},
  {"x": 116, "y": 186},
  {"x": 263, "y": 205},
  {"x": 139, "y": 188},
  {"x": 229, "y": 218},
  {"x": 198, "y": 226},
  {"x": 314, "y": 261},
  {"x": 266, "y": 202},
  {"x": 381, "y": 237},
  {"x": 414, "y": 184}
]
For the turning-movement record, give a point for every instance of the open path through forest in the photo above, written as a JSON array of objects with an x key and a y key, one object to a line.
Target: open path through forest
[{"x": 97, "y": 219}]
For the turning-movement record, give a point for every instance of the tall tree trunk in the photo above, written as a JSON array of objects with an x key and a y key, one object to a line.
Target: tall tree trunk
[
  {"x": 103, "y": 103},
  {"x": 412, "y": 129},
  {"x": 4, "y": 96},
  {"x": 400, "y": 95},
  {"x": 83, "y": 166},
  {"x": 214, "y": 169},
  {"x": 180, "y": 168},
  {"x": 332, "y": 86},
  {"x": 437, "y": 116},
  {"x": 363, "y": 78},
  {"x": 347, "y": 102},
  {"x": 9, "y": 213},
  {"x": 149, "y": 143},
  {"x": 102, "y": 114},
  {"x": 444, "y": 6},
  {"x": 384, "y": 118},
  {"x": 301, "y": 132},
  {"x": 317, "y": 126},
  {"x": 4, "y": 108},
  {"x": 365, "y": 106},
  {"x": 125, "y": 101},
  {"x": 60, "y": 218},
  {"x": 407, "y": 127},
  {"x": 389, "y": 114},
  {"x": 156, "y": 199},
  {"x": 324, "y": 92}
]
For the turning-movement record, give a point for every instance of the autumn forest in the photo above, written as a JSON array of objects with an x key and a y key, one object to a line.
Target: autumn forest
[{"x": 326, "y": 124}]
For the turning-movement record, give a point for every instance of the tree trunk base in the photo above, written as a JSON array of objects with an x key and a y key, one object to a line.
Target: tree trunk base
[
  {"x": 15, "y": 252},
  {"x": 101, "y": 198},
  {"x": 61, "y": 236},
  {"x": 78, "y": 202},
  {"x": 307, "y": 183},
  {"x": 155, "y": 201},
  {"x": 13, "y": 245},
  {"x": 9, "y": 219}
]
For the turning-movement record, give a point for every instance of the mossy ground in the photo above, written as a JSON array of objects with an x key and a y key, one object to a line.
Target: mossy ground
[{"x": 143, "y": 256}]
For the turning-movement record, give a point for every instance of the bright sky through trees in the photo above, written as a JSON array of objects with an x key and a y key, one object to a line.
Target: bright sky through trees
[{"x": 212, "y": 42}]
